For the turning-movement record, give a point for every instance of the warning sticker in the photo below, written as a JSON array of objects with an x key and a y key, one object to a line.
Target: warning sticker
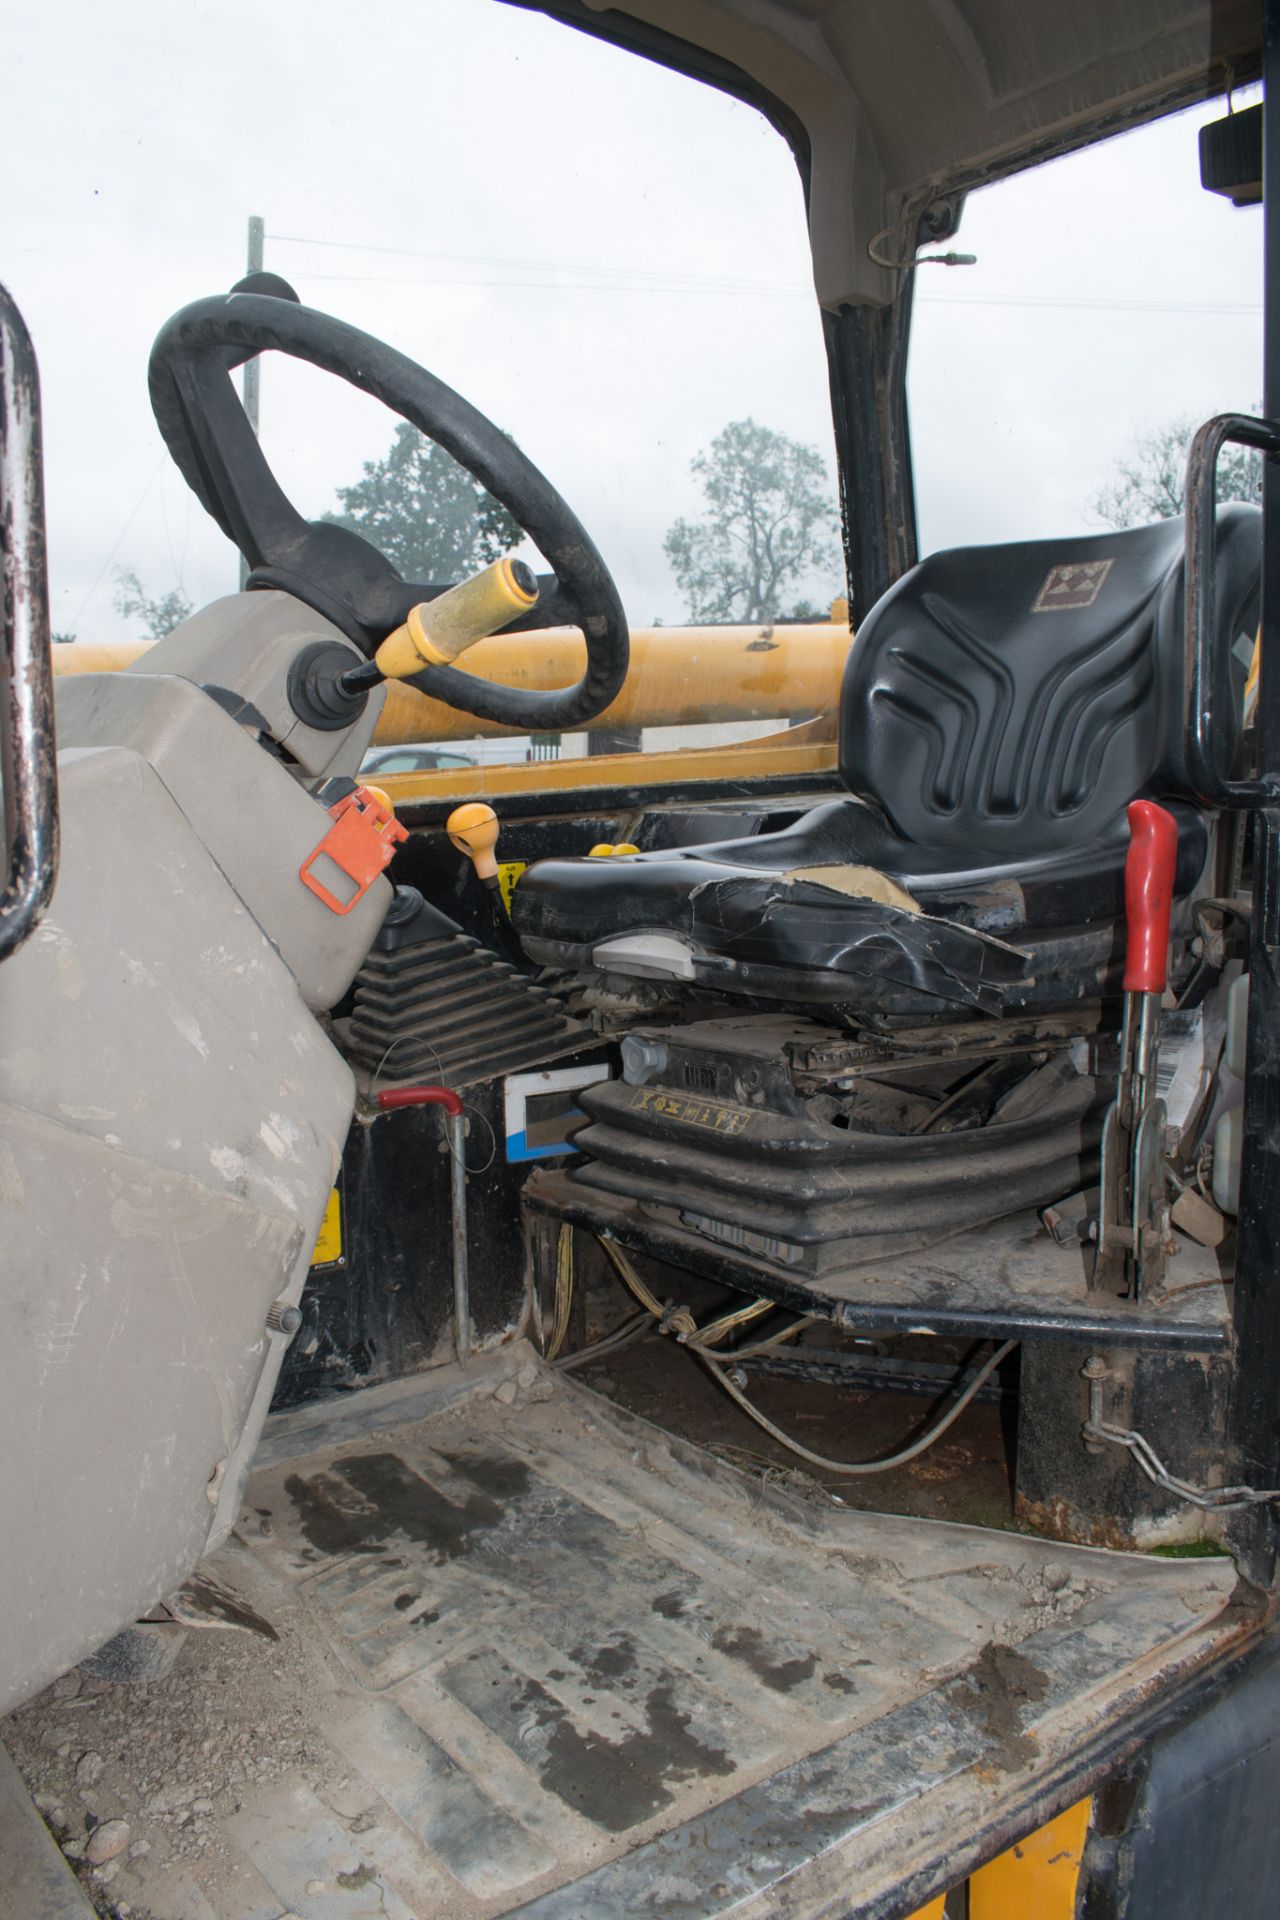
[
  {"x": 328, "y": 1251},
  {"x": 711, "y": 1114},
  {"x": 509, "y": 872},
  {"x": 1076, "y": 584}
]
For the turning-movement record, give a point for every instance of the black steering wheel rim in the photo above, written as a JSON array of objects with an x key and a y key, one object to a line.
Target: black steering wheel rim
[{"x": 334, "y": 570}]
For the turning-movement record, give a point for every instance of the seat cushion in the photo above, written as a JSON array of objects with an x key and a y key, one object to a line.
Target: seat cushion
[
  {"x": 771, "y": 917},
  {"x": 580, "y": 902}
]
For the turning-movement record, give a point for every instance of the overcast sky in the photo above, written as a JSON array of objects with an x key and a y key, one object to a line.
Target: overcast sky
[{"x": 608, "y": 259}]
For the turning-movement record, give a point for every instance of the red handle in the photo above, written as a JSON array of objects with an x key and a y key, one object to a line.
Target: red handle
[
  {"x": 1148, "y": 895},
  {"x": 421, "y": 1097}
]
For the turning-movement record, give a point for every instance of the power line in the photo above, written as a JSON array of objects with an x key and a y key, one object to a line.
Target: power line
[
  {"x": 655, "y": 280},
  {"x": 717, "y": 288},
  {"x": 504, "y": 260},
  {"x": 1206, "y": 308},
  {"x": 488, "y": 259},
  {"x": 1117, "y": 303},
  {"x": 136, "y": 509}
]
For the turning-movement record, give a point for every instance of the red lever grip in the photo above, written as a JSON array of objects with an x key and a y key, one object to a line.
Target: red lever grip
[
  {"x": 421, "y": 1097},
  {"x": 1148, "y": 895}
]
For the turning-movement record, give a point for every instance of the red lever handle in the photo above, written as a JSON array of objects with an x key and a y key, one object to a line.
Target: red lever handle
[
  {"x": 1148, "y": 895},
  {"x": 421, "y": 1097}
]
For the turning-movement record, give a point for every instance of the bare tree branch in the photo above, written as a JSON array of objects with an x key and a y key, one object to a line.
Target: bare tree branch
[
  {"x": 1151, "y": 483},
  {"x": 770, "y": 512}
]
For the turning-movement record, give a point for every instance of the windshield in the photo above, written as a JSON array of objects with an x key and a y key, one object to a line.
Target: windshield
[
  {"x": 608, "y": 259},
  {"x": 1114, "y": 306},
  {"x": 611, "y": 261}
]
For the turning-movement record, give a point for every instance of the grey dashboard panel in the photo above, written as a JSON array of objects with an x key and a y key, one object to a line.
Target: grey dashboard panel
[
  {"x": 257, "y": 822},
  {"x": 171, "y": 1120},
  {"x": 243, "y": 647}
]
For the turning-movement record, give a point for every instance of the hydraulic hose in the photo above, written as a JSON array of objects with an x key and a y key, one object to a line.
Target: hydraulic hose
[{"x": 681, "y": 1322}]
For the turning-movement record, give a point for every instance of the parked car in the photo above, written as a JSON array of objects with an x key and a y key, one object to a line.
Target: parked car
[{"x": 413, "y": 759}]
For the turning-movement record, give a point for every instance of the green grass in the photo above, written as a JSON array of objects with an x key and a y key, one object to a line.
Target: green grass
[{"x": 1191, "y": 1550}]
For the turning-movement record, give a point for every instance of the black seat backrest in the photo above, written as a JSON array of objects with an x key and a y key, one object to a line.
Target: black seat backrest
[{"x": 1017, "y": 698}]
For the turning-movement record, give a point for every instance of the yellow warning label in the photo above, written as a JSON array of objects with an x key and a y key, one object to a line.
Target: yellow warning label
[
  {"x": 711, "y": 1114},
  {"x": 329, "y": 1245},
  {"x": 509, "y": 872}
]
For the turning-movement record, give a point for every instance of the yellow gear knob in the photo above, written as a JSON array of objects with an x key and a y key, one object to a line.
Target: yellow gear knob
[{"x": 473, "y": 830}]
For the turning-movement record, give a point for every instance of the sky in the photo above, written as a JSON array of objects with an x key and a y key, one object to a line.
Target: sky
[{"x": 608, "y": 259}]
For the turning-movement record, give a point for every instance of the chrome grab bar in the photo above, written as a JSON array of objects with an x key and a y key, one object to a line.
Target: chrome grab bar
[
  {"x": 28, "y": 770},
  {"x": 1212, "y": 784}
]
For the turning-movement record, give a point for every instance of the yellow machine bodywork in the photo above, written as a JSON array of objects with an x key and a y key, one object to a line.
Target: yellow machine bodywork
[
  {"x": 1036, "y": 1879},
  {"x": 680, "y": 676}
]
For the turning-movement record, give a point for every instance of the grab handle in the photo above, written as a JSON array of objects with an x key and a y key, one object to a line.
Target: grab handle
[
  {"x": 1205, "y": 696},
  {"x": 27, "y": 767}
]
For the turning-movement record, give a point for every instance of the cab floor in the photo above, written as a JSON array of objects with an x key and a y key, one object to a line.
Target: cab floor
[{"x": 535, "y": 1657}]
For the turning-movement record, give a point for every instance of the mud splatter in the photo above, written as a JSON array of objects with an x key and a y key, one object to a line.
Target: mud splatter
[
  {"x": 749, "y": 1645},
  {"x": 371, "y": 1498},
  {"x": 994, "y": 1691}
]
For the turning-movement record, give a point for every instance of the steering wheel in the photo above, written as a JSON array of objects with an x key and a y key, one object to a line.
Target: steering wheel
[{"x": 331, "y": 568}]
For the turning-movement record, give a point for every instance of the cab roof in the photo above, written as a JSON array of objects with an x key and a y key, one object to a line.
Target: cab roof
[{"x": 895, "y": 105}]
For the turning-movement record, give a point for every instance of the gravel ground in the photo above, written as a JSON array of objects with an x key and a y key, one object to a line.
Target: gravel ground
[{"x": 131, "y": 1779}]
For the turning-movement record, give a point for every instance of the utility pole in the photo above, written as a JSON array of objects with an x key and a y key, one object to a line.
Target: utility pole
[{"x": 252, "y": 368}]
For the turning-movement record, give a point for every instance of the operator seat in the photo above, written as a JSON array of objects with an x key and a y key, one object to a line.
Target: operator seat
[{"x": 1000, "y": 708}]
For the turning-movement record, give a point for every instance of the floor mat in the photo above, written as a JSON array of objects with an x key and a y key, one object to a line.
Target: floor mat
[{"x": 534, "y": 1657}]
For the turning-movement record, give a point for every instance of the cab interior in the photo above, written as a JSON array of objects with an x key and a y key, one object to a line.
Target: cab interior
[{"x": 382, "y": 1136}]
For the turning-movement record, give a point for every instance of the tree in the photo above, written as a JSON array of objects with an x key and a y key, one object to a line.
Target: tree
[
  {"x": 161, "y": 616},
  {"x": 425, "y": 512},
  {"x": 1151, "y": 483},
  {"x": 768, "y": 520}
]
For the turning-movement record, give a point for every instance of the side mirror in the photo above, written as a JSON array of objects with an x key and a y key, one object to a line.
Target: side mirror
[{"x": 1231, "y": 157}]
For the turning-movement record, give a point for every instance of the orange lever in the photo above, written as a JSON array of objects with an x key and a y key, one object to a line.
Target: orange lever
[{"x": 1148, "y": 895}]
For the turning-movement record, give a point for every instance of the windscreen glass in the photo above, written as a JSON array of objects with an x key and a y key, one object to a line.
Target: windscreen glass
[
  {"x": 1114, "y": 305},
  {"x": 608, "y": 259}
]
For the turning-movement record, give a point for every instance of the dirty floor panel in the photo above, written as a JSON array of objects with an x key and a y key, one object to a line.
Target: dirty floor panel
[{"x": 536, "y": 1658}]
